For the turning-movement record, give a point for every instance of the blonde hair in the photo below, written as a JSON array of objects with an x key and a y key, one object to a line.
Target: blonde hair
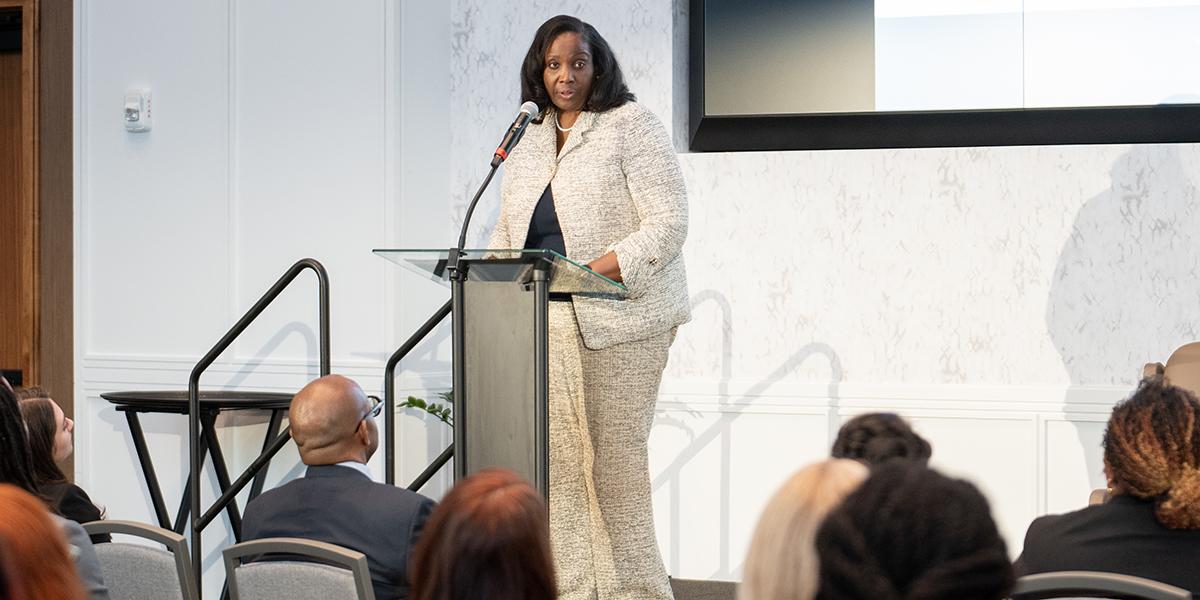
[{"x": 782, "y": 561}]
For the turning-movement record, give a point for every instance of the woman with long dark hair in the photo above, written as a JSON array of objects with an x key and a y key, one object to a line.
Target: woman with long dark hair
[
  {"x": 50, "y": 442},
  {"x": 486, "y": 540},
  {"x": 596, "y": 179},
  {"x": 16, "y": 468}
]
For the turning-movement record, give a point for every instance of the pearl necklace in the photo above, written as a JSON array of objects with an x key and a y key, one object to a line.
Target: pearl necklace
[{"x": 560, "y": 127}]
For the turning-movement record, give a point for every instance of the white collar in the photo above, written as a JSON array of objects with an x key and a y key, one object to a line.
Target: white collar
[{"x": 360, "y": 467}]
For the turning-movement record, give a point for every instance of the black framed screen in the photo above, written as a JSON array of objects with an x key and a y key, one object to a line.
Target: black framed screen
[{"x": 827, "y": 74}]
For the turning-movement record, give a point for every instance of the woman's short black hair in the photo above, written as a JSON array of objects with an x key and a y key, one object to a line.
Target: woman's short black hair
[{"x": 608, "y": 86}]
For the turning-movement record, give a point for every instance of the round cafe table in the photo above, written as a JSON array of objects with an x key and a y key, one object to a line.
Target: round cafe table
[{"x": 212, "y": 403}]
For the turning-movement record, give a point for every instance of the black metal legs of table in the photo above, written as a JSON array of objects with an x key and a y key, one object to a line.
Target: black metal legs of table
[
  {"x": 272, "y": 432},
  {"x": 208, "y": 439},
  {"x": 208, "y": 430},
  {"x": 139, "y": 445}
]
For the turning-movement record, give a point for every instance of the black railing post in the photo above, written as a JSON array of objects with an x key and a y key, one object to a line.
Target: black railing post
[
  {"x": 389, "y": 390},
  {"x": 210, "y": 357}
]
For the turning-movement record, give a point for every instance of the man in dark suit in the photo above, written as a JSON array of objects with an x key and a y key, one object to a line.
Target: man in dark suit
[{"x": 336, "y": 501}]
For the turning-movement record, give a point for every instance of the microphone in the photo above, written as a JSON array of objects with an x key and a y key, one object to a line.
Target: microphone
[{"x": 528, "y": 110}]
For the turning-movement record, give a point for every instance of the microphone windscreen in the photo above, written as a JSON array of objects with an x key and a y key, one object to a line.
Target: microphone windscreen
[{"x": 529, "y": 108}]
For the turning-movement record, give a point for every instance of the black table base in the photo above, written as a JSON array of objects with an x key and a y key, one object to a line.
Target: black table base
[{"x": 211, "y": 406}]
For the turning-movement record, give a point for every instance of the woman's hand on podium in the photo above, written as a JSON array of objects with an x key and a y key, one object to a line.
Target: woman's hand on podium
[{"x": 607, "y": 266}]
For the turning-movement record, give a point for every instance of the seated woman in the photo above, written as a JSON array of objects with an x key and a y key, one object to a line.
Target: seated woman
[
  {"x": 35, "y": 560},
  {"x": 489, "y": 538},
  {"x": 910, "y": 532},
  {"x": 782, "y": 561},
  {"x": 16, "y": 468},
  {"x": 1151, "y": 526},
  {"x": 876, "y": 438},
  {"x": 50, "y": 443}
]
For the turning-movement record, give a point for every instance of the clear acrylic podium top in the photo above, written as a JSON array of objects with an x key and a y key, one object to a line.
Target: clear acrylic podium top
[{"x": 566, "y": 275}]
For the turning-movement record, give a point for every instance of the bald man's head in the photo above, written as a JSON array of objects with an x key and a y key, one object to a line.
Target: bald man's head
[{"x": 327, "y": 422}]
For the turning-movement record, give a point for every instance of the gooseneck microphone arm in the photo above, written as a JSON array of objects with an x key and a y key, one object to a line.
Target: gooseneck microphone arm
[{"x": 515, "y": 132}]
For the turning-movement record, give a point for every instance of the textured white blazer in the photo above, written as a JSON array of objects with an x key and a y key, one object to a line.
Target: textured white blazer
[{"x": 617, "y": 187}]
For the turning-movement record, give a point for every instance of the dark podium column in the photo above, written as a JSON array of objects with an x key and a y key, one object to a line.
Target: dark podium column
[{"x": 501, "y": 354}]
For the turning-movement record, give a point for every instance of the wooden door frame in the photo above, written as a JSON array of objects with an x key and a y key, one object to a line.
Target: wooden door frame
[
  {"x": 29, "y": 283},
  {"x": 56, "y": 201}
]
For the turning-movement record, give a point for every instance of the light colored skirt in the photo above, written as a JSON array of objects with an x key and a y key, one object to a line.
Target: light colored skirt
[{"x": 601, "y": 409}]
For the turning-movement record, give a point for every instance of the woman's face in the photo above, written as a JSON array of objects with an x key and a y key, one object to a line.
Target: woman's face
[
  {"x": 568, "y": 72},
  {"x": 63, "y": 429}
]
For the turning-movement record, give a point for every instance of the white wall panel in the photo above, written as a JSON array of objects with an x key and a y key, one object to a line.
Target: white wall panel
[
  {"x": 712, "y": 471},
  {"x": 153, "y": 247},
  {"x": 310, "y": 134},
  {"x": 1078, "y": 465}
]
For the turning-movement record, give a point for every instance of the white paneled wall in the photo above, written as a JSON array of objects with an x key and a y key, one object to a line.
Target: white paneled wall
[
  {"x": 280, "y": 130},
  {"x": 1002, "y": 298}
]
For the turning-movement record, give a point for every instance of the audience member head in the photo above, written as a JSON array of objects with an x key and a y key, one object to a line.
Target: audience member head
[
  {"x": 16, "y": 466},
  {"x": 332, "y": 421},
  {"x": 487, "y": 539},
  {"x": 876, "y": 438},
  {"x": 909, "y": 532},
  {"x": 782, "y": 562},
  {"x": 1152, "y": 451},
  {"x": 49, "y": 432},
  {"x": 38, "y": 564}
]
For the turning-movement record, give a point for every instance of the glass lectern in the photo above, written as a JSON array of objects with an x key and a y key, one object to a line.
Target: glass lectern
[{"x": 499, "y": 304}]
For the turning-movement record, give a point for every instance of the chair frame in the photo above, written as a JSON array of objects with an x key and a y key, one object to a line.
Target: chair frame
[
  {"x": 354, "y": 561},
  {"x": 1094, "y": 584},
  {"x": 175, "y": 543}
]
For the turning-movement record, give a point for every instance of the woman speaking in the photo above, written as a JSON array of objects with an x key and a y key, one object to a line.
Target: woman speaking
[{"x": 596, "y": 179}]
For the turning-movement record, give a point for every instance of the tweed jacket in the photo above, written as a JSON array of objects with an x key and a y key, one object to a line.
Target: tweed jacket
[{"x": 617, "y": 187}]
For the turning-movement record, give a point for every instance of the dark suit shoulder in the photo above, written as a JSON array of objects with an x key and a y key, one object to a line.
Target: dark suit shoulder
[{"x": 1120, "y": 536}]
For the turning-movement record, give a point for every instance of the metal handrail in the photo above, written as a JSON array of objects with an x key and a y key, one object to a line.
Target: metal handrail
[
  {"x": 199, "y": 522},
  {"x": 389, "y": 397}
]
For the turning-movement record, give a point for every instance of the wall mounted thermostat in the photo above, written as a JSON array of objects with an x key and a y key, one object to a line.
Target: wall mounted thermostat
[{"x": 138, "y": 110}]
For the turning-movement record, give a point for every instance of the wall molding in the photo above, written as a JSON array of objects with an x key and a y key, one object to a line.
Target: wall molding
[
  {"x": 709, "y": 395},
  {"x": 103, "y": 372}
]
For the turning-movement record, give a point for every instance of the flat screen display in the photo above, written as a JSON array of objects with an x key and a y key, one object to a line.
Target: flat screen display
[
  {"x": 822, "y": 56},
  {"x": 811, "y": 74}
]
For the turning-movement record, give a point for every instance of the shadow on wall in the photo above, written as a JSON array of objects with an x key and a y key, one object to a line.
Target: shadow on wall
[
  {"x": 1126, "y": 289},
  {"x": 721, "y": 432}
]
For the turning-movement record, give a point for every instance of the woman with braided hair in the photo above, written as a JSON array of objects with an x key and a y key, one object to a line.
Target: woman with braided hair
[
  {"x": 910, "y": 533},
  {"x": 1151, "y": 526},
  {"x": 876, "y": 438}
]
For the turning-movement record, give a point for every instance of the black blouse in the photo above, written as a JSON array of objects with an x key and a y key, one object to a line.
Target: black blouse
[
  {"x": 544, "y": 232},
  {"x": 73, "y": 503}
]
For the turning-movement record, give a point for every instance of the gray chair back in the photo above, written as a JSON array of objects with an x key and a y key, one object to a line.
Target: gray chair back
[
  {"x": 296, "y": 580},
  {"x": 1092, "y": 584},
  {"x": 140, "y": 572}
]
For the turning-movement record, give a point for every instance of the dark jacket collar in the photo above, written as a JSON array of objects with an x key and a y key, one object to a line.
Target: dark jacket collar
[{"x": 333, "y": 471}]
